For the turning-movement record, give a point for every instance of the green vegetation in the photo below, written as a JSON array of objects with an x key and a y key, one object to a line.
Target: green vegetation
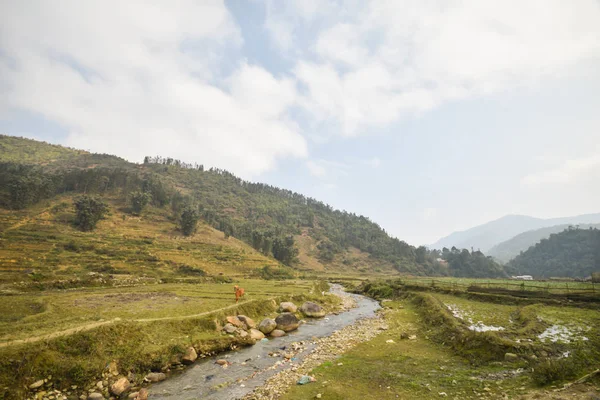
[
  {"x": 474, "y": 264},
  {"x": 506, "y": 251},
  {"x": 189, "y": 221},
  {"x": 157, "y": 323},
  {"x": 572, "y": 253},
  {"x": 88, "y": 211},
  {"x": 267, "y": 218},
  {"x": 559, "y": 342},
  {"x": 139, "y": 200},
  {"x": 407, "y": 369}
]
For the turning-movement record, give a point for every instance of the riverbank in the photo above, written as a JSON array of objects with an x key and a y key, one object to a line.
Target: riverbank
[
  {"x": 327, "y": 349},
  {"x": 168, "y": 320},
  {"x": 235, "y": 374}
]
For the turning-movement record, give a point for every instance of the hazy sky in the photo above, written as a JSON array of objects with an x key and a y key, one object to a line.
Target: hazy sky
[{"x": 426, "y": 116}]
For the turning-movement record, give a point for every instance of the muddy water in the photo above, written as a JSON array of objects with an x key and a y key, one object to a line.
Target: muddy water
[{"x": 252, "y": 366}]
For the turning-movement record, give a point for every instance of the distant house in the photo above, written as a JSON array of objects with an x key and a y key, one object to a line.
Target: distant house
[
  {"x": 523, "y": 277},
  {"x": 442, "y": 261}
]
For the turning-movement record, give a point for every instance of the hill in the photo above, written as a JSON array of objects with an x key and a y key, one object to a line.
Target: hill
[
  {"x": 571, "y": 253},
  {"x": 485, "y": 237},
  {"x": 507, "y": 250},
  {"x": 243, "y": 227}
]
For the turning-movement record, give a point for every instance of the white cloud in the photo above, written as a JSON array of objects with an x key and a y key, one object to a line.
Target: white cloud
[
  {"x": 341, "y": 43},
  {"x": 138, "y": 79},
  {"x": 374, "y": 63},
  {"x": 568, "y": 172}
]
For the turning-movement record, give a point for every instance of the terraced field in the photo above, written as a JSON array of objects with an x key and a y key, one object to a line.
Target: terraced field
[
  {"x": 42, "y": 244},
  {"x": 42, "y": 313}
]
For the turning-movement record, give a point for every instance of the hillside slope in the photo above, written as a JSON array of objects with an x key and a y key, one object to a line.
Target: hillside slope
[
  {"x": 486, "y": 236},
  {"x": 571, "y": 253},
  {"x": 507, "y": 250},
  {"x": 259, "y": 224}
]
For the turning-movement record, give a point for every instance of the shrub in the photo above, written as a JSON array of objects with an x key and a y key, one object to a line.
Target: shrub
[
  {"x": 89, "y": 210},
  {"x": 138, "y": 201},
  {"x": 555, "y": 370},
  {"x": 72, "y": 246},
  {"x": 189, "y": 220},
  {"x": 268, "y": 272},
  {"x": 187, "y": 270}
]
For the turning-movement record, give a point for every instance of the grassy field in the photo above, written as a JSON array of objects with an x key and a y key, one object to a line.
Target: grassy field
[
  {"x": 155, "y": 324},
  {"x": 430, "y": 368},
  {"x": 29, "y": 314},
  {"x": 406, "y": 369},
  {"x": 550, "y": 286}
]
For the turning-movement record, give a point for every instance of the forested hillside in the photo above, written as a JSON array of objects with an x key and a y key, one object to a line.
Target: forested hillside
[
  {"x": 571, "y": 253},
  {"x": 294, "y": 230},
  {"x": 506, "y": 251}
]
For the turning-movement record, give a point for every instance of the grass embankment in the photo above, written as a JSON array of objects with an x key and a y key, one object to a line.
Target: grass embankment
[
  {"x": 138, "y": 346},
  {"x": 406, "y": 369},
  {"x": 539, "y": 334},
  {"x": 448, "y": 359}
]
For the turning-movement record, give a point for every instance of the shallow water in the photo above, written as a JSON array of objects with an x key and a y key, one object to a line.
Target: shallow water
[
  {"x": 478, "y": 326},
  {"x": 560, "y": 333},
  {"x": 252, "y": 366}
]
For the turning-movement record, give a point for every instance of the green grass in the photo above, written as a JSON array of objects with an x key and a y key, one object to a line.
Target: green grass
[
  {"x": 490, "y": 314},
  {"x": 452, "y": 283},
  {"x": 31, "y": 151},
  {"x": 42, "y": 313},
  {"x": 158, "y": 322},
  {"x": 425, "y": 367},
  {"x": 406, "y": 369}
]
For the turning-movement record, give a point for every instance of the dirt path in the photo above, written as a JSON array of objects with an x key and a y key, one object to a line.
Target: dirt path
[{"x": 94, "y": 325}]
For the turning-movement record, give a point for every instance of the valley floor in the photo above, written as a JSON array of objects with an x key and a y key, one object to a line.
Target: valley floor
[{"x": 394, "y": 358}]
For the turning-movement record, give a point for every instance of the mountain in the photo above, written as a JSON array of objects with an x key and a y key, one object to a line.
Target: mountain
[
  {"x": 244, "y": 227},
  {"x": 485, "y": 237},
  {"x": 507, "y": 250},
  {"x": 571, "y": 253}
]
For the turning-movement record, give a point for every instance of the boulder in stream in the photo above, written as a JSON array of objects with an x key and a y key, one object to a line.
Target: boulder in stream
[
  {"x": 120, "y": 386},
  {"x": 255, "y": 334},
  {"x": 313, "y": 310},
  {"x": 190, "y": 356},
  {"x": 267, "y": 325},
  {"x": 287, "y": 322},
  {"x": 277, "y": 333},
  {"x": 287, "y": 306}
]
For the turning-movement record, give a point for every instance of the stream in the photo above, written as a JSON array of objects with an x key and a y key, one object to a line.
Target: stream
[{"x": 252, "y": 366}]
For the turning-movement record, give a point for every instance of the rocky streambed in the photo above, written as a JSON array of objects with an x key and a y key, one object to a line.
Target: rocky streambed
[{"x": 267, "y": 368}]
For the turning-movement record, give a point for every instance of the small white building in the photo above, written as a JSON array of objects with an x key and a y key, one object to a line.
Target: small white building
[{"x": 523, "y": 277}]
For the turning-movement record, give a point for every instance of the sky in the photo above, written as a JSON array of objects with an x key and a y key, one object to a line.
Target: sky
[{"x": 426, "y": 116}]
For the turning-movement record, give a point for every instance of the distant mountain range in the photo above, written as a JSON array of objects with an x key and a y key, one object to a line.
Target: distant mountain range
[
  {"x": 506, "y": 251},
  {"x": 487, "y": 236}
]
